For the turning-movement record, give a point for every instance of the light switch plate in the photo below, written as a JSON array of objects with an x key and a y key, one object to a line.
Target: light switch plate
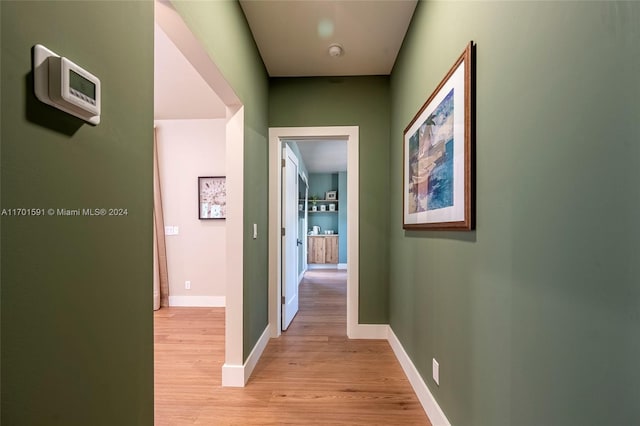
[{"x": 436, "y": 372}]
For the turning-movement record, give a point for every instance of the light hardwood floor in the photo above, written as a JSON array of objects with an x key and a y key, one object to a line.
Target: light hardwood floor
[{"x": 312, "y": 374}]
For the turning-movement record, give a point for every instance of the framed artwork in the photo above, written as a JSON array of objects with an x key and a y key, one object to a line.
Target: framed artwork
[
  {"x": 331, "y": 195},
  {"x": 437, "y": 160},
  {"x": 212, "y": 197}
]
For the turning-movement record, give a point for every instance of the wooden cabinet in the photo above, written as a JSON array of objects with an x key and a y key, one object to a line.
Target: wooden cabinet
[
  {"x": 322, "y": 249},
  {"x": 331, "y": 249},
  {"x": 315, "y": 250}
]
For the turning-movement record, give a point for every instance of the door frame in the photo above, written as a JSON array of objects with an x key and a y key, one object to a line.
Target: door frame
[
  {"x": 305, "y": 265},
  {"x": 277, "y": 135}
]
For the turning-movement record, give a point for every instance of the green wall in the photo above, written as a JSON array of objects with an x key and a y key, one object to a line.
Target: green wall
[
  {"x": 0, "y": 219},
  {"x": 535, "y": 316},
  {"x": 225, "y": 35},
  {"x": 351, "y": 101},
  {"x": 77, "y": 327}
]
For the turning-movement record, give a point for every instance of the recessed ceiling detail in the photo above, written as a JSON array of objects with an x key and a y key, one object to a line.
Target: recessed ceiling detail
[{"x": 293, "y": 36}]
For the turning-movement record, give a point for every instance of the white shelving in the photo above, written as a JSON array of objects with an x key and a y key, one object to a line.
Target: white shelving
[{"x": 320, "y": 202}]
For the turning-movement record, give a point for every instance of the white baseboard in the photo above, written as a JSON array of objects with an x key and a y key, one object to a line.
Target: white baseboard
[
  {"x": 368, "y": 331},
  {"x": 238, "y": 375},
  {"x": 429, "y": 403},
  {"x": 301, "y": 276},
  {"x": 342, "y": 266},
  {"x": 323, "y": 266},
  {"x": 233, "y": 375},
  {"x": 198, "y": 301}
]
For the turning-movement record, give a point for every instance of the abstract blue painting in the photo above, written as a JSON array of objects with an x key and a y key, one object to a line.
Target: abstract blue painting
[
  {"x": 431, "y": 160},
  {"x": 438, "y": 145}
]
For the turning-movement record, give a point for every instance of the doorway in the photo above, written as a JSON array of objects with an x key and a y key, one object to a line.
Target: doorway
[
  {"x": 319, "y": 225},
  {"x": 186, "y": 42},
  {"x": 276, "y": 137}
]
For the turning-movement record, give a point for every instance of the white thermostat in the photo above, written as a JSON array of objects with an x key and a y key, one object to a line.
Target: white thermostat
[{"x": 65, "y": 85}]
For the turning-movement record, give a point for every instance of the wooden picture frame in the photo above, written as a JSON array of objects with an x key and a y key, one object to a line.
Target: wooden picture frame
[
  {"x": 437, "y": 192},
  {"x": 212, "y": 197}
]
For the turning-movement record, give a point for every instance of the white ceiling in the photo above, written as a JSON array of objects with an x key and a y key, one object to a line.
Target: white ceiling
[
  {"x": 323, "y": 156},
  {"x": 293, "y": 37},
  {"x": 179, "y": 90}
]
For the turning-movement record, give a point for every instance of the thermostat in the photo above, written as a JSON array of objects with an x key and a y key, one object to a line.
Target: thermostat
[{"x": 65, "y": 85}]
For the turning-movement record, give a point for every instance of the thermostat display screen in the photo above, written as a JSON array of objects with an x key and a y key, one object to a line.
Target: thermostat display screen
[{"x": 81, "y": 84}]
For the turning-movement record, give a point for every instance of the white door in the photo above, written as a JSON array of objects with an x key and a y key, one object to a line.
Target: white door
[{"x": 289, "y": 240}]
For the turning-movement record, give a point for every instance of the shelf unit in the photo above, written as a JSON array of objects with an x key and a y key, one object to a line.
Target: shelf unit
[{"x": 323, "y": 202}]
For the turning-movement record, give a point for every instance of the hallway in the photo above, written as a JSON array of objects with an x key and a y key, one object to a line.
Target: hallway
[{"x": 312, "y": 374}]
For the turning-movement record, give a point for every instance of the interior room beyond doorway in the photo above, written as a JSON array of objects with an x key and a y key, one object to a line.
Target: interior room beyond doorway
[{"x": 276, "y": 138}]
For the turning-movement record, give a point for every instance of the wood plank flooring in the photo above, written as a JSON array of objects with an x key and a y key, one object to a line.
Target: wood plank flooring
[{"x": 312, "y": 374}]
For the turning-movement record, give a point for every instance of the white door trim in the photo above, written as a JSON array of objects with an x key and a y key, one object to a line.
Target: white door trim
[
  {"x": 276, "y": 136},
  {"x": 234, "y": 326}
]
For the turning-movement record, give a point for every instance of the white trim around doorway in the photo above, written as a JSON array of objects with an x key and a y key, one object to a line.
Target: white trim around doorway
[{"x": 276, "y": 136}]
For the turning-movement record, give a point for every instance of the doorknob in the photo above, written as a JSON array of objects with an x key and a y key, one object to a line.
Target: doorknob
[{"x": 298, "y": 242}]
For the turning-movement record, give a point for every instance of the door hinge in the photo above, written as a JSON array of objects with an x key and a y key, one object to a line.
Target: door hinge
[
  {"x": 283, "y": 162},
  {"x": 283, "y": 300},
  {"x": 282, "y": 232}
]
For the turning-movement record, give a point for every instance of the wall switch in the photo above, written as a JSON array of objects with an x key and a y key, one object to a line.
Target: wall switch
[
  {"x": 187, "y": 285},
  {"x": 170, "y": 230},
  {"x": 436, "y": 372},
  {"x": 255, "y": 231}
]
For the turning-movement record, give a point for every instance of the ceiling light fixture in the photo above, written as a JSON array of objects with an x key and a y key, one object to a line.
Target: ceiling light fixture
[
  {"x": 336, "y": 50},
  {"x": 325, "y": 28}
]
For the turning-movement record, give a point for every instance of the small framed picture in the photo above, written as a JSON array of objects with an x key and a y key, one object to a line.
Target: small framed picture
[
  {"x": 332, "y": 207},
  {"x": 212, "y": 197},
  {"x": 331, "y": 195}
]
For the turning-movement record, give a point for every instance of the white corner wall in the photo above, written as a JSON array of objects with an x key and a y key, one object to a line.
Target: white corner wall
[{"x": 188, "y": 149}]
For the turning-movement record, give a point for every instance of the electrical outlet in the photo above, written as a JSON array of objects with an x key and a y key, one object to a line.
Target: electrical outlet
[
  {"x": 187, "y": 285},
  {"x": 436, "y": 372}
]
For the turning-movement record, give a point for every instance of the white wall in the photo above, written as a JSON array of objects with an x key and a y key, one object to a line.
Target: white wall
[{"x": 188, "y": 149}]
